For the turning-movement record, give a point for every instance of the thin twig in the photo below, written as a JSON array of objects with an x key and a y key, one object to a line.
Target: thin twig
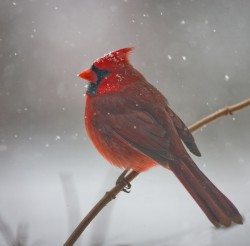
[
  {"x": 110, "y": 195},
  {"x": 222, "y": 112}
]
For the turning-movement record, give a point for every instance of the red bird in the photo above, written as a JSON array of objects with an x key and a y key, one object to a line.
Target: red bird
[{"x": 132, "y": 126}]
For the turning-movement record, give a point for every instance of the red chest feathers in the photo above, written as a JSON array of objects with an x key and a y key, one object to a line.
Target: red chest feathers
[{"x": 114, "y": 149}]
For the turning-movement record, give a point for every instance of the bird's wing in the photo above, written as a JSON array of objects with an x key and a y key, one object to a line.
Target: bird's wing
[
  {"x": 184, "y": 133},
  {"x": 143, "y": 132}
]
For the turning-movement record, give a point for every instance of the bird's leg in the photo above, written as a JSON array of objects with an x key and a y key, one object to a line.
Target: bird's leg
[{"x": 122, "y": 179}]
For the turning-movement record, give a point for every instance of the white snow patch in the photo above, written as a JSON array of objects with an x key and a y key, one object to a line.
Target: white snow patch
[
  {"x": 227, "y": 77},
  {"x": 58, "y": 138}
]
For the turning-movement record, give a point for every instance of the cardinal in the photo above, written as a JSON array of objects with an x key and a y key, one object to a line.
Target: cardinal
[{"x": 131, "y": 124}]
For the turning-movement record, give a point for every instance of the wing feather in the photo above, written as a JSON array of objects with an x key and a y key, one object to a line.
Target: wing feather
[
  {"x": 184, "y": 133},
  {"x": 143, "y": 132}
]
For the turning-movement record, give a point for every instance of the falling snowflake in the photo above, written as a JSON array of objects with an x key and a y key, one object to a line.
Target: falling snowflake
[{"x": 58, "y": 138}]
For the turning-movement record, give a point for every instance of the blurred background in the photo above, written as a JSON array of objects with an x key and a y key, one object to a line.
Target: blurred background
[{"x": 195, "y": 52}]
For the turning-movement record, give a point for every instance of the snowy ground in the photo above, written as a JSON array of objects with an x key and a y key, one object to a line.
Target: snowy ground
[{"x": 195, "y": 52}]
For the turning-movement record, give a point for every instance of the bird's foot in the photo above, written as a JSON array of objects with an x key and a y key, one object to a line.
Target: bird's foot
[{"x": 122, "y": 179}]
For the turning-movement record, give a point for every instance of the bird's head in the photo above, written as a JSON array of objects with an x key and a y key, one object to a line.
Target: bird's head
[{"x": 107, "y": 72}]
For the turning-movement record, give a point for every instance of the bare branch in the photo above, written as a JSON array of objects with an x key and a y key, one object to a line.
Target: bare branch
[
  {"x": 221, "y": 112},
  {"x": 108, "y": 197}
]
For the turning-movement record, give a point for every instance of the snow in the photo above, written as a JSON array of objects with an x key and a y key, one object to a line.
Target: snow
[
  {"x": 184, "y": 58},
  {"x": 57, "y": 138},
  {"x": 193, "y": 52}
]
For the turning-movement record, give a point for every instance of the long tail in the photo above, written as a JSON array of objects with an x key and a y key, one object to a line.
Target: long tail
[{"x": 217, "y": 207}]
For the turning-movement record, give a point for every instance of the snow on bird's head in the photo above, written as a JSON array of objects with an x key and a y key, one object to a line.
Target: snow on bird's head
[{"x": 114, "y": 59}]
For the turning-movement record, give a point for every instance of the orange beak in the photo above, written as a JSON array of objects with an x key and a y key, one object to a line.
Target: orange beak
[{"x": 88, "y": 75}]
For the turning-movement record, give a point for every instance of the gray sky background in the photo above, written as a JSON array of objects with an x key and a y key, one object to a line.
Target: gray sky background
[{"x": 195, "y": 52}]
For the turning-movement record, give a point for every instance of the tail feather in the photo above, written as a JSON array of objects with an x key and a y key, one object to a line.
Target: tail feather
[{"x": 217, "y": 207}]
